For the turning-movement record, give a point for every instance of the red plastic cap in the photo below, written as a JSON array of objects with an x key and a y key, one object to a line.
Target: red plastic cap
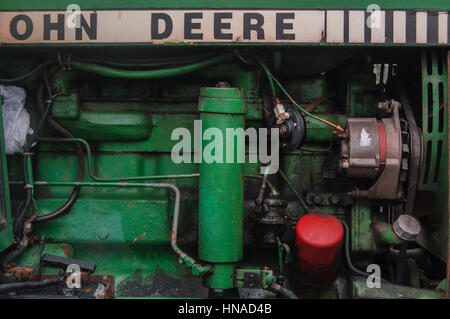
[{"x": 319, "y": 230}]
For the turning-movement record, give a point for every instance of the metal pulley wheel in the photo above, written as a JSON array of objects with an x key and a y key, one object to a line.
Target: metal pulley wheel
[{"x": 292, "y": 131}]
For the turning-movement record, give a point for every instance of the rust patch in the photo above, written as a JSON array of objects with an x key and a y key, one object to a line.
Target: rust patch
[
  {"x": 109, "y": 283},
  {"x": 66, "y": 250},
  {"x": 21, "y": 273},
  {"x": 139, "y": 237}
]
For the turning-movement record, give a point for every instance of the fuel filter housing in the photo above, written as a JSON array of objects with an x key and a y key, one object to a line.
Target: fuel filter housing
[{"x": 319, "y": 240}]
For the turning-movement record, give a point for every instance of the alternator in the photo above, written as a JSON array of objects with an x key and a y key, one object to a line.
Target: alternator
[{"x": 372, "y": 149}]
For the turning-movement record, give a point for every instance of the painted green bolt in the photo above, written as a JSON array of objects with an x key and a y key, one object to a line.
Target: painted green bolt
[{"x": 102, "y": 233}]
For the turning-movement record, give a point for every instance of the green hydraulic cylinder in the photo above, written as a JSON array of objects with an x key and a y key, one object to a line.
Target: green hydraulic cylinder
[{"x": 221, "y": 204}]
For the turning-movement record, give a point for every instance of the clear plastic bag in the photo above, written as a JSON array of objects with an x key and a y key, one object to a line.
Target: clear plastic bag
[{"x": 16, "y": 120}]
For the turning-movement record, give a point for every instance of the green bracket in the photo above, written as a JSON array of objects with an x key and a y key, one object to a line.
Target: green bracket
[
  {"x": 284, "y": 256},
  {"x": 66, "y": 107},
  {"x": 433, "y": 184},
  {"x": 362, "y": 239},
  {"x": 253, "y": 278}
]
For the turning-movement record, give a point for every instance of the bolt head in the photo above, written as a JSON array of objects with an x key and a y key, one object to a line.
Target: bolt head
[
  {"x": 102, "y": 233},
  {"x": 317, "y": 199},
  {"x": 334, "y": 199}
]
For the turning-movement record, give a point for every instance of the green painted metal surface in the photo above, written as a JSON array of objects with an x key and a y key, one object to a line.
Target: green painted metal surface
[
  {"x": 221, "y": 185},
  {"x": 126, "y": 231},
  {"x": 433, "y": 184},
  {"x": 361, "y": 290},
  {"x": 361, "y": 231}
]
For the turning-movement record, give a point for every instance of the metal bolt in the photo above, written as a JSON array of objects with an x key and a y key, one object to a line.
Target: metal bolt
[
  {"x": 102, "y": 233},
  {"x": 317, "y": 199},
  {"x": 334, "y": 199}
]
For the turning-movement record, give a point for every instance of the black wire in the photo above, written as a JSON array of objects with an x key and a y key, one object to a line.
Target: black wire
[
  {"x": 17, "y": 227},
  {"x": 79, "y": 151},
  {"x": 30, "y": 284},
  {"x": 41, "y": 262},
  {"x": 23, "y": 77},
  {"x": 347, "y": 255}
]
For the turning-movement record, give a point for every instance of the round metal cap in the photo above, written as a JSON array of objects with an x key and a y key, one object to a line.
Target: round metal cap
[{"x": 406, "y": 227}]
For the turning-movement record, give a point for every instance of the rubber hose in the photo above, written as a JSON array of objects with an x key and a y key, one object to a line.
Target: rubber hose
[
  {"x": 17, "y": 226},
  {"x": 79, "y": 151},
  {"x": 282, "y": 291},
  {"x": 29, "y": 284},
  {"x": 14, "y": 254}
]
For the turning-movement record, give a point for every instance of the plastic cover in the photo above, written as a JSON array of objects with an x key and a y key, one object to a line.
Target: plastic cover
[{"x": 16, "y": 120}]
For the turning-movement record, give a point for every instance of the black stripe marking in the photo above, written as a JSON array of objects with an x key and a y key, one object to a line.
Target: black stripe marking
[
  {"x": 62, "y": 10},
  {"x": 448, "y": 27},
  {"x": 325, "y": 27},
  {"x": 410, "y": 26},
  {"x": 389, "y": 26},
  {"x": 367, "y": 30},
  {"x": 346, "y": 28},
  {"x": 432, "y": 27}
]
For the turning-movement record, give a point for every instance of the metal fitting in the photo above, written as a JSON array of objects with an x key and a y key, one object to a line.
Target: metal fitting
[
  {"x": 280, "y": 113},
  {"x": 406, "y": 227}
]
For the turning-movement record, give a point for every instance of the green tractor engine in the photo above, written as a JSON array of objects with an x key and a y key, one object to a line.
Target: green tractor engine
[{"x": 224, "y": 150}]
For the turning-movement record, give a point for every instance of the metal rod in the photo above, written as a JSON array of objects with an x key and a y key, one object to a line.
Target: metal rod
[
  {"x": 117, "y": 179},
  {"x": 114, "y": 179},
  {"x": 292, "y": 188}
]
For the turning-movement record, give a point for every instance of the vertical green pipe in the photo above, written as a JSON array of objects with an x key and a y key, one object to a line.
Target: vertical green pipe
[
  {"x": 221, "y": 185},
  {"x": 6, "y": 221}
]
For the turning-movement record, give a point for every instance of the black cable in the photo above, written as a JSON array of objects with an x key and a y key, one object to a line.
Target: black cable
[
  {"x": 79, "y": 151},
  {"x": 17, "y": 227},
  {"x": 401, "y": 265},
  {"x": 41, "y": 262},
  {"x": 30, "y": 284},
  {"x": 347, "y": 255},
  {"x": 44, "y": 107},
  {"x": 281, "y": 291},
  {"x": 23, "y": 77},
  {"x": 18, "y": 250}
]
